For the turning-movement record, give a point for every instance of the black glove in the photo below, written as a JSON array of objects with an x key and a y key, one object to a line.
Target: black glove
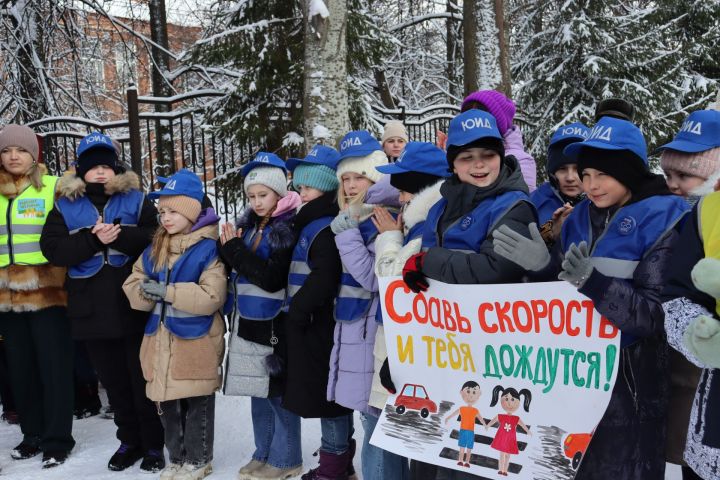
[{"x": 386, "y": 379}]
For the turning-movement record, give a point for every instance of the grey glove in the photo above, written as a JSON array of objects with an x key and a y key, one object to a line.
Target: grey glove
[
  {"x": 530, "y": 253},
  {"x": 153, "y": 290},
  {"x": 577, "y": 265},
  {"x": 343, "y": 221},
  {"x": 702, "y": 339}
]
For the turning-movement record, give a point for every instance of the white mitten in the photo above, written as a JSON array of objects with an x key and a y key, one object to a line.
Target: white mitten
[
  {"x": 706, "y": 276},
  {"x": 702, "y": 339}
]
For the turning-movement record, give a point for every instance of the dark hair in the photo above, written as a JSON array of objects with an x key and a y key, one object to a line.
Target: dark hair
[
  {"x": 499, "y": 391},
  {"x": 469, "y": 384}
]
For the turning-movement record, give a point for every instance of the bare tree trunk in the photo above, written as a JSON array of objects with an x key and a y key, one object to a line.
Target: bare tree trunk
[
  {"x": 451, "y": 44},
  {"x": 487, "y": 60},
  {"x": 325, "y": 101},
  {"x": 382, "y": 85},
  {"x": 160, "y": 85}
]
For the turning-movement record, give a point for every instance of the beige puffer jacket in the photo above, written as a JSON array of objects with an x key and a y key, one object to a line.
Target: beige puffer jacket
[{"x": 175, "y": 368}]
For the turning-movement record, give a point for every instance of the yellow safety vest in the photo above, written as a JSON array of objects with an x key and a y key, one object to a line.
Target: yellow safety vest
[
  {"x": 21, "y": 223},
  {"x": 708, "y": 216}
]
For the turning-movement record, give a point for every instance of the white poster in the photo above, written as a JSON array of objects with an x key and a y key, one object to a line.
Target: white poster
[{"x": 495, "y": 380}]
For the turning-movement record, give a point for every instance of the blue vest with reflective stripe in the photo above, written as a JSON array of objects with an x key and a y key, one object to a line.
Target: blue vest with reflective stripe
[
  {"x": 546, "y": 201},
  {"x": 81, "y": 213},
  {"x": 251, "y": 301},
  {"x": 468, "y": 232},
  {"x": 353, "y": 301},
  {"x": 300, "y": 266},
  {"x": 187, "y": 268},
  {"x": 628, "y": 236}
]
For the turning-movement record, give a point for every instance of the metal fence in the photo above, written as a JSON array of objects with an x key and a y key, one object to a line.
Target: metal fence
[{"x": 422, "y": 125}]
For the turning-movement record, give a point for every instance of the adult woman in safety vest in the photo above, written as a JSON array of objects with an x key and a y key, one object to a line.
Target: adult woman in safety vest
[
  {"x": 32, "y": 304},
  {"x": 486, "y": 191},
  {"x": 101, "y": 223},
  {"x": 257, "y": 250},
  {"x": 615, "y": 247}
]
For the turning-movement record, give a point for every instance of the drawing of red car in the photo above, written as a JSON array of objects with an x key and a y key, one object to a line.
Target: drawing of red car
[
  {"x": 574, "y": 447},
  {"x": 414, "y": 397}
]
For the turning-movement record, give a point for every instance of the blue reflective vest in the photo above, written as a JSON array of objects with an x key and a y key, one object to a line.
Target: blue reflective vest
[
  {"x": 251, "y": 301},
  {"x": 546, "y": 200},
  {"x": 353, "y": 301},
  {"x": 187, "y": 268},
  {"x": 300, "y": 266},
  {"x": 469, "y": 232},
  {"x": 629, "y": 234},
  {"x": 81, "y": 213},
  {"x": 416, "y": 231}
]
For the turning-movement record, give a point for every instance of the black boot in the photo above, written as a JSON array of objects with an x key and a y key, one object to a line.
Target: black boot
[
  {"x": 24, "y": 450},
  {"x": 153, "y": 461},
  {"x": 124, "y": 457},
  {"x": 54, "y": 458}
]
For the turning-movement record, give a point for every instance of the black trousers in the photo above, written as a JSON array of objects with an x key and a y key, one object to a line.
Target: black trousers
[
  {"x": 117, "y": 363},
  {"x": 39, "y": 352},
  {"x": 6, "y": 396}
]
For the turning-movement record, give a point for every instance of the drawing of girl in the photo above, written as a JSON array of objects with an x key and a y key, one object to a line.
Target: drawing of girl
[{"x": 506, "y": 438}]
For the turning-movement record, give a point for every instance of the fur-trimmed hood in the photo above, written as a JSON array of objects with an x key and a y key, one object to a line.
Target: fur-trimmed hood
[
  {"x": 417, "y": 209},
  {"x": 281, "y": 236},
  {"x": 708, "y": 185},
  {"x": 73, "y": 187}
]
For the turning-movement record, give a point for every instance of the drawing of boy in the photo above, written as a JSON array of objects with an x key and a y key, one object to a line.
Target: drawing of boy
[{"x": 470, "y": 393}]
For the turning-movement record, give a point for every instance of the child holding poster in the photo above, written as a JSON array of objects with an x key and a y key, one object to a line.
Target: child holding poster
[
  {"x": 614, "y": 248},
  {"x": 486, "y": 191}
]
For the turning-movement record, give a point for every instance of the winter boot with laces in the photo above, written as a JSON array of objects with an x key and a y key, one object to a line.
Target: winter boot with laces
[{"x": 124, "y": 457}]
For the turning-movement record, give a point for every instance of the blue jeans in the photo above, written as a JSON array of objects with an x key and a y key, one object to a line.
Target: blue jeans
[
  {"x": 277, "y": 433},
  {"x": 379, "y": 464},
  {"x": 335, "y": 433}
]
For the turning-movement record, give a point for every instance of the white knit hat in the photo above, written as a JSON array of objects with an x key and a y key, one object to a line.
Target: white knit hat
[
  {"x": 272, "y": 177},
  {"x": 364, "y": 166},
  {"x": 394, "y": 128}
]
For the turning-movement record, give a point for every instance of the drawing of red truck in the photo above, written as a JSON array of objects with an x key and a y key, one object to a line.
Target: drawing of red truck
[
  {"x": 575, "y": 445},
  {"x": 414, "y": 397}
]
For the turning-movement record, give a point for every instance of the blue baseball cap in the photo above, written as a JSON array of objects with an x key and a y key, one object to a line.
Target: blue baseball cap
[
  {"x": 184, "y": 182},
  {"x": 358, "y": 143},
  {"x": 319, "y": 155},
  {"x": 576, "y": 132},
  {"x": 699, "y": 132},
  {"x": 471, "y": 126},
  {"x": 422, "y": 157},
  {"x": 263, "y": 159},
  {"x": 94, "y": 140},
  {"x": 611, "y": 134}
]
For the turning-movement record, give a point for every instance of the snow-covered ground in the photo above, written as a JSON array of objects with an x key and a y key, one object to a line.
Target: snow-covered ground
[{"x": 96, "y": 441}]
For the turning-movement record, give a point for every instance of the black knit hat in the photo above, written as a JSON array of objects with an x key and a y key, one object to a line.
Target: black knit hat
[
  {"x": 623, "y": 165},
  {"x": 413, "y": 182},
  {"x": 97, "y": 156},
  {"x": 490, "y": 143}
]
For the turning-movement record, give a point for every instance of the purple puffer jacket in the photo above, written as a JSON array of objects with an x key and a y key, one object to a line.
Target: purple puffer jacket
[
  {"x": 513, "y": 141},
  {"x": 352, "y": 361}
]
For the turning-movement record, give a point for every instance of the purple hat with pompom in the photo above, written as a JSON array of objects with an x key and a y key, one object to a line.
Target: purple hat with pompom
[{"x": 497, "y": 104}]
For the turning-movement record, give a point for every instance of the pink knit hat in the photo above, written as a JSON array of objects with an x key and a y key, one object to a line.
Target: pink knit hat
[
  {"x": 700, "y": 164},
  {"x": 497, "y": 104}
]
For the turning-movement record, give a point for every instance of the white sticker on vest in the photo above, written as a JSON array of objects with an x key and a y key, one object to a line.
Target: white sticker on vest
[{"x": 31, "y": 208}]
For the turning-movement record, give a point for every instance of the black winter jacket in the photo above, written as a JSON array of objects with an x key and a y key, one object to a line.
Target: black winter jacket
[
  {"x": 270, "y": 275},
  {"x": 310, "y": 322},
  {"x": 97, "y": 306}
]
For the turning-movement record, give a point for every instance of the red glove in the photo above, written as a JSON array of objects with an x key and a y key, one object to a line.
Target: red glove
[{"x": 412, "y": 273}]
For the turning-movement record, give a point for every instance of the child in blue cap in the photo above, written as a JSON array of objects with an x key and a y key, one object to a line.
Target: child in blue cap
[
  {"x": 555, "y": 198},
  {"x": 180, "y": 279},
  {"x": 614, "y": 248},
  {"x": 258, "y": 249}
]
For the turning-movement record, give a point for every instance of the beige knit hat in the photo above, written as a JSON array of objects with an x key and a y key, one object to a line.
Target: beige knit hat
[
  {"x": 14, "y": 135},
  {"x": 364, "y": 166},
  {"x": 186, "y": 206},
  {"x": 394, "y": 128},
  {"x": 272, "y": 177},
  {"x": 700, "y": 164}
]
